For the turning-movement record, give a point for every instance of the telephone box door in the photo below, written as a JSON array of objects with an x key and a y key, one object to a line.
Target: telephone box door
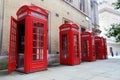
[
  {"x": 39, "y": 45},
  {"x": 85, "y": 48},
  {"x": 13, "y": 46},
  {"x": 64, "y": 45}
]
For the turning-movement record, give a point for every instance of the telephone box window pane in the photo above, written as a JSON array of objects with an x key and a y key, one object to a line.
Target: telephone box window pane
[
  {"x": 38, "y": 50},
  {"x": 39, "y": 44},
  {"x": 34, "y": 43},
  {"x": 34, "y": 57},
  {"x": 39, "y": 37},
  {"x": 76, "y": 46},
  {"x": 35, "y": 24},
  {"x": 42, "y": 32},
  {"x": 13, "y": 31},
  {"x": 37, "y": 57},
  {"x": 85, "y": 46},
  {"x": 34, "y": 30},
  {"x": 42, "y": 44},
  {"x": 42, "y": 25},
  {"x": 42, "y": 38},
  {"x": 97, "y": 49},
  {"x": 41, "y": 56},
  {"x": 34, "y": 50},
  {"x": 38, "y": 24},
  {"x": 65, "y": 46},
  {"x": 35, "y": 37},
  {"x": 39, "y": 30}
]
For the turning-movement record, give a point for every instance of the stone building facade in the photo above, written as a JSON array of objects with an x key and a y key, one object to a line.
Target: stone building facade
[{"x": 93, "y": 16}]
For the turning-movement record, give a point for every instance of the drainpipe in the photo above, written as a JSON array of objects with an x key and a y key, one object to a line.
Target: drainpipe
[{"x": 1, "y": 34}]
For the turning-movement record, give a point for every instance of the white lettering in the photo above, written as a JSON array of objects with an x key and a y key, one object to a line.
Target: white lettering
[
  {"x": 38, "y": 15},
  {"x": 23, "y": 14},
  {"x": 64, "y": 29},
  {"x": 74, "y": 29}
]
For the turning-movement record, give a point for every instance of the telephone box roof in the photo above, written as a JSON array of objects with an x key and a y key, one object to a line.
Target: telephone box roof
[
  {"x": 71, "y": 25},
  {"x": 31, "y": 8}
]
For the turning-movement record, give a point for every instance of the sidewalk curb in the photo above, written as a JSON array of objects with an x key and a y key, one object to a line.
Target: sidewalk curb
[{"x": 3, "y": 72}]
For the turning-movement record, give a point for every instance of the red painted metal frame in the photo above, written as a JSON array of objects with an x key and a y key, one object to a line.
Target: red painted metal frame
[
  {"x": 70, "y": 30},
  {"x": 100, "y": 45},
  {"x": 40, "y": 15},
  {"x": 88, "y": 50},
  {"x": 12, "y": 48}
]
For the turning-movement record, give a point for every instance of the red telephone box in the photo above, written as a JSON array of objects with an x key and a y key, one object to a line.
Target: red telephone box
[
  {"x": 105, "y": 48},
  {"x": 88, "y": 46},
  {"x": 69, "y": 44},
  {"x": 28, "y": 40},
  {"x": 99, "y": 47}
]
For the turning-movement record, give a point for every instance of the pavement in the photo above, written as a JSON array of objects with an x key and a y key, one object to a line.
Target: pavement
[
  {"x": 3, "y": 58},
  {"x": 99, "y": 70}
]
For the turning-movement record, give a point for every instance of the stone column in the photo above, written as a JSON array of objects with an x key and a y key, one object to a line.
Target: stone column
[
  {"x": 1, "y": 22},
  {"x": 90, "y": 15}
]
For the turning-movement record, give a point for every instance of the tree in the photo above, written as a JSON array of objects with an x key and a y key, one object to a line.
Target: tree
[
  {"x": 117, "y": 4},
  {"x": 114, "y": 31}
]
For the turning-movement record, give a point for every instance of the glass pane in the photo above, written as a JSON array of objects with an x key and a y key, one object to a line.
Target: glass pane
[
  {"x": 64, "y": 46},
  {"x": 76, "y": 46},
  {"x": 34, "y": 50},
  {"x": 38, "y": 50},
  {"x": 38, "y": 31},
  {"x": 39, "y": 37},
  {"x": 41, "y": 54},
  {"x": 85, "y": 47},
  {"x": 34, "y": 30},
  {"x": 42, "y": 26},
  {"x": 34, "y": 57},
  {"x": 39, "y": 24},
  {"x": 37, "y": 57},
  {"x": 34, "y": 44},
  {"x": 42, "y": 44},
  {"x": 42, "y": 38},
  {"x": 34, "y": 37},
  {"x": 35, "y": 24},
  {"x": 97, "y": 48}
]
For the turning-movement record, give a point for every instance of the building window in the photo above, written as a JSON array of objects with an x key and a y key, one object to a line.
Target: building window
[
  {"x": 66, "y": 20},
  {"x": 94, "y": 8},
  {"x": 82, "y": 29},
  {"x": 69, "y": 1},
  {"x": 82, "y": 5}
]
